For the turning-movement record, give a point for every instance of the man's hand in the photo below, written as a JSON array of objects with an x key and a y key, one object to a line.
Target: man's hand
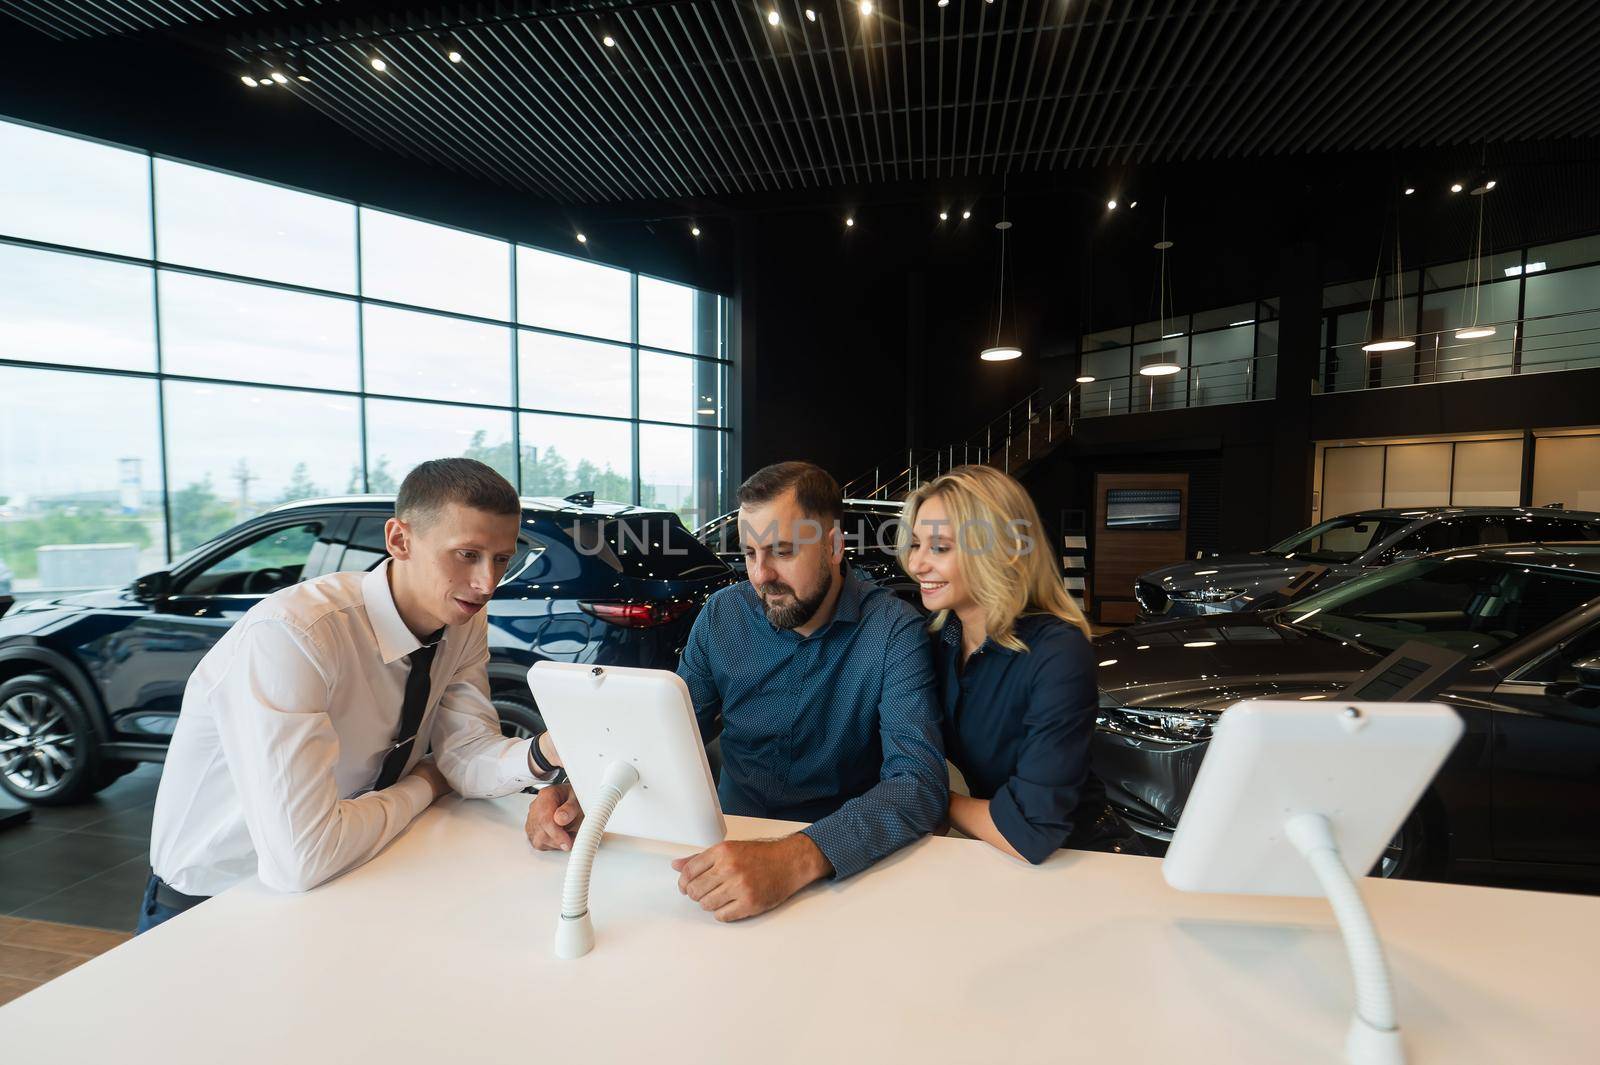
[
  {"x": 739, "y": 879},
  {"x": 553, "y": 818},
  {"x": 430, "y": 772}
]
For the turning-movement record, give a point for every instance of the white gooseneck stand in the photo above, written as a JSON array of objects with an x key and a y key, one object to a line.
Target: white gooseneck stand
[
  {"x": 1374, "y": 1037},
  {"x": 575, "y": 931}
]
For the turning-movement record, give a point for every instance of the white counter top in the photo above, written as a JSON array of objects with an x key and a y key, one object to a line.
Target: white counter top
[{"x": 439, "y": 951}]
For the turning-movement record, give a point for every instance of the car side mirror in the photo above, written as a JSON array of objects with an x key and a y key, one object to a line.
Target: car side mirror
[
  {"x": 152, "y": 586},
  {"x": 1588, "y": 673}
]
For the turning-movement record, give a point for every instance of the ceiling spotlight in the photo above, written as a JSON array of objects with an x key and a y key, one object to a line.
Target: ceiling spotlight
[
  {"x": 378, "y": 64},
  {"x": 453, "y": 55},
  {"x": 582, "y": 239},
  {"x": 811, "y": 16},
  {"x": 1111, "y": 205},
  {"x": 772, "y": 17},
  {"x": 694, "y": 231},
  {"x": 1456, "y": 187},
  {"x": 849, "y": 221},
  {"x": 248, "y": 80},
  {"x": 944, "y": 216},
  {"x": 965, "y": 215},
  {"x": 1085, "y": 379},
  {"x": 277, "y": 76},
  {"x": 609, "y": 41},
  {"x": 1410, "y": 190},
  {"x": 944, "y": 3},
  {"x": 866, "y": 7},
  {"x": 1132, "y": 205},
  {"x": 301, "y": 77},
  {"x": 1490, "y": 185}
]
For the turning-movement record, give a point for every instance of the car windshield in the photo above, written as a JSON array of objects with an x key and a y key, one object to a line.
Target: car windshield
[
  {"x": 655, "y": 546},
  {"x": 1464, "y": 603},
  {"x": 1338, "y": 540}
]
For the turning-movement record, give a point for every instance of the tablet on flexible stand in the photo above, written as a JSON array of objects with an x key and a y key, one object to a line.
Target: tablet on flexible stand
[
  {"x": 631, "y": 746},
  {"x": 1300, "y": 798}
]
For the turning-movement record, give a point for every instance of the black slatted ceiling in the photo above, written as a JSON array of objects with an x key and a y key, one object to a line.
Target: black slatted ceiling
[{"x": 703, "y": 97}]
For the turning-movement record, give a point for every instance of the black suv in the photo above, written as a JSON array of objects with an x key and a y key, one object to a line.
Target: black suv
[
  {"x": 1519, "y": 793},
  {"x": 91, "y": 684}
]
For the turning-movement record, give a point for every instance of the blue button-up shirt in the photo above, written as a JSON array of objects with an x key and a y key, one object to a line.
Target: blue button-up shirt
[
  {"x": 1018, "y": 725},
  {"x": 839, "y": 728}
]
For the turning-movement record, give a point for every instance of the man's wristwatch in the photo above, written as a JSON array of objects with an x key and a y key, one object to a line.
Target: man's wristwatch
[{"x": 543, "y": 766}]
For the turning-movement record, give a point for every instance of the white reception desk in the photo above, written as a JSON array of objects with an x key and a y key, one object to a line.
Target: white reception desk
[{"x": 439, "y": 952}]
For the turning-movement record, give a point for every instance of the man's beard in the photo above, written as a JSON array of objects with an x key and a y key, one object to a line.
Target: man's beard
[{"x": 800, "y": 610}]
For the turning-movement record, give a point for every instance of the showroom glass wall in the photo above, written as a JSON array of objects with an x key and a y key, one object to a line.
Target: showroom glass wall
[{"x": 181, "y": 348}]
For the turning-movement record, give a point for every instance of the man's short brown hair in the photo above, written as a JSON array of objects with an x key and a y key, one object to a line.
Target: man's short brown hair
[
  {"x": 437, "y": 483},
  {"x": 814, "y": 489}
]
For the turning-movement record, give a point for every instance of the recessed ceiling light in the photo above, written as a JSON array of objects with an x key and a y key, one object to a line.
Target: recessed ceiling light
[
  {"x": 277, "y": 76},
  {"x": 453, "y": 55},
  {"x": 773, "y": 18},
  {"x": 609, "y": 41},
  {"x": 1410, "y": 190},
  {"x": 1111, "y": 205},
  {"x": 1132, "y": 205},
  {"x": 248, "y": 80},
  {"x": 965, "y": 215},
  {"x": 582, "y": 239},
  {"x": 301, "y": 77},
  {"x": 378, "y": 64},
  {"x": 866, "y": 7},
  {"x": 1456, "y": 187},
  {"x": 944, "y": 216},
  {"x": 694, "y": 231},
  {"x": 849, "y": 222},
  {"x": 811, "y": 16}
]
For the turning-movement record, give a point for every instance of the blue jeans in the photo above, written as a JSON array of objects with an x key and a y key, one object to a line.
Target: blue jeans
[{"x": 153, "y": 912}]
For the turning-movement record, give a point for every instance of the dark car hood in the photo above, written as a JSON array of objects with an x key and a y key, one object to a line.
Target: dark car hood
[
  {"x": 1213, "y": 662},
  {"x": 1249, "y": 572},
  {"x": 105, "y": 599}
]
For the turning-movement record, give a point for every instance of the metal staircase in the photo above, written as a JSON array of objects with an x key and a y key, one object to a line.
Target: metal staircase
[{"x": 1021, "y": 436}]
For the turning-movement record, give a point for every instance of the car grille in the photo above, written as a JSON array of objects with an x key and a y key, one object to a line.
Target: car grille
[{"x": 1152, "y": 600}]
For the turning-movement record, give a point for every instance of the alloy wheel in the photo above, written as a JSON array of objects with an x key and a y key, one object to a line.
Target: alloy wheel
[{"x": 37, "y": 745}]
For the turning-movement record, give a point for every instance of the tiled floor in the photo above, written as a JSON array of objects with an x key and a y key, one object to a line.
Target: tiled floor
[
  {"x": 84, "y": 864},
  {"x": 32, "y": 952}
]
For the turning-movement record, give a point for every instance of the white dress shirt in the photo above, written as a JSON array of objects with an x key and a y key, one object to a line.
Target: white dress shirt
[{"x": 284, "y": 728}]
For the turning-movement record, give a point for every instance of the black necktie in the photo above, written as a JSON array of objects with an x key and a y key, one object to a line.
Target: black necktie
[{"x": 416, "y": 701}]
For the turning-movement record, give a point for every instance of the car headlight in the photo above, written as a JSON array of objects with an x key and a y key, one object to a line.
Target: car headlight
[
  {"x": 1161, "y": 723},
  {"x": 1207, "y": 595}
]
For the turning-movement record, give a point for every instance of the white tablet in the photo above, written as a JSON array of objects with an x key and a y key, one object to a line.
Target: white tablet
[
  {"x": 1362, "y": 765},
  {"x": 603, "y": 714}
]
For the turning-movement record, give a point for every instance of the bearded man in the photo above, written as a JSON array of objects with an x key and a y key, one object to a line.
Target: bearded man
[{"x": 822, "y": 690}]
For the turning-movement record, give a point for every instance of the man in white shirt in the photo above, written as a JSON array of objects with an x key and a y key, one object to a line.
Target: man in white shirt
[{"x": 299, "y": 753}]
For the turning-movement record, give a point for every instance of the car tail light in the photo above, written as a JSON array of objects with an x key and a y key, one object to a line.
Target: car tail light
[{"x": 643, "y": 614}]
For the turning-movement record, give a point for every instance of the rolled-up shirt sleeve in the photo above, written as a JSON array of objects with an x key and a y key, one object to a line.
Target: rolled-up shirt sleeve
[
  {"x": 912, "y": 791},
  {"x": 282, "y": 752},
  {"x": 477, "y": 760},
  {"x": 1036, "y": 808}
]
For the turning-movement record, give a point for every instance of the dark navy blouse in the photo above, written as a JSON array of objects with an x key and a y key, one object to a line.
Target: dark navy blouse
[{"x": 1018, "y": 724}]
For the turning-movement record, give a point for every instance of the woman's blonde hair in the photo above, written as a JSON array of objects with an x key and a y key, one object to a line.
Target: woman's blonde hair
[{"x": 1001, "y": 543}]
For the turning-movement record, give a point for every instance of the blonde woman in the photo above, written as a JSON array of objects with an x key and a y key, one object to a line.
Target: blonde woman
[{"x": 1015, "y": 668}]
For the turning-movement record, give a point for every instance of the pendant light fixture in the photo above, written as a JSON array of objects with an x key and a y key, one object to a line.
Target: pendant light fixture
[
  {"x": 1480, "y": 192},
  {"x": 1386, "y": 340},
  {"x": 1001, "y": 352},
  {"x": 1163, "y": 363}
]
